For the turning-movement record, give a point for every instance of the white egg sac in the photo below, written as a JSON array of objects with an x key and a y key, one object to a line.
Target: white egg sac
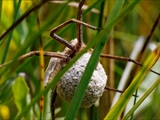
[{"x": 66, "y": 87}]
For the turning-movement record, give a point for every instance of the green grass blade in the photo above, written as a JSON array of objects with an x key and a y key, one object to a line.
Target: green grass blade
[
  {"x": 100, "y": 19},
  {"x": 101, "y": 35},
  {"x": 141, "y": 99},
  {"x": 10, "y": 35},
  {"x": 134, "y": 102},
  {"x": 20, "y": 90},
  {"x": 80, "y": 92},
  {"x": 117, "y": 109}
]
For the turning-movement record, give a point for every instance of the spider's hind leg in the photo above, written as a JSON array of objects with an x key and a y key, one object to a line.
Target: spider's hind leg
[{"x": 125, "y": 59}]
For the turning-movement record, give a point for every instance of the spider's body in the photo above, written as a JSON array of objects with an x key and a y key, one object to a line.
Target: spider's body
[
  {"x": 56, "y": 64},
  {"x": 67, "y": 85}
]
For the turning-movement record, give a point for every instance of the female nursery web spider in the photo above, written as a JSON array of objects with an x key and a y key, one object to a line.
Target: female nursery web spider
[{"x": 59, "y": 60}]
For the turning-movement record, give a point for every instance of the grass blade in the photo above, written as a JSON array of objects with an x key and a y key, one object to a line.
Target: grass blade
[
  {"x": 80, "y": 92},
  {"x": 120, "y": 105},
  {"x": 10, "y": 36},
  {"x": 141, "y": 99},
  {"x": 101, "y": 35}
]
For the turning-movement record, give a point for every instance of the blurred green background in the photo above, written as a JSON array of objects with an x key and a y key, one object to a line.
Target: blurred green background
[{"x": 25, "y": 38}]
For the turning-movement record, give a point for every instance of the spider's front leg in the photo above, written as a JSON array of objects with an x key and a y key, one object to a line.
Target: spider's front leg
[
  {"x": 37, "y": 53},
  {"x": 63, "y": 41}
]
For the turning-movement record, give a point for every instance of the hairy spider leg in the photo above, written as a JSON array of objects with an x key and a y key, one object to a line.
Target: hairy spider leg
[
  {"x": 79, "y": 26},
  {"x": 65, "y": 42}
]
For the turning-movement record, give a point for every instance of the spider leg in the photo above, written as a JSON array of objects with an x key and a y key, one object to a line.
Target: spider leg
[
  {"x": 63, "y": 41},
  {"x": 120, "y": 58},
  {"x": 45, "y": 53},
  {"x": 37, "y": 53},
  {"x": 112, "y": 89},
  {"x": 53, "y": 99},
  {"x": 117, "y": 58},
  {"x": 125, "y": 59},
  {"x": 79, "y": 26}
]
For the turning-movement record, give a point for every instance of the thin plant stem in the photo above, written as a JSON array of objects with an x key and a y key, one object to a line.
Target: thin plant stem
[
  {"x": 135, "y": 99},
  {"x": 41, "y": 71}
]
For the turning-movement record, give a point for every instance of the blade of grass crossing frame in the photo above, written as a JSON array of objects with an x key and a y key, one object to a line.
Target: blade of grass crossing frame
[
  {"x": 120, "y": 105},
  {"x": 100, "y": 19},
  {"x": 80, "y": 92},
  {"x": 111, "y": 23},
  {"x": 141, "y": 99},
  {"x": 94, "y": 114},
  {"x": 10, "y": 35}
]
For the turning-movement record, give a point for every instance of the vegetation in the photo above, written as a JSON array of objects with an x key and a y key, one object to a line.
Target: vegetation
[{"x": 124, "y": 22}]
